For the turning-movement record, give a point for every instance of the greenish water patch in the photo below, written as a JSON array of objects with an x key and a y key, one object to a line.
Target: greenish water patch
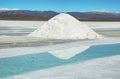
[{"x": 22, "y": 64}]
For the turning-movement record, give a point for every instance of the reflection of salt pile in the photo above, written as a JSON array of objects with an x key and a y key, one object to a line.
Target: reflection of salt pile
[{"x": 64, "y": 26}]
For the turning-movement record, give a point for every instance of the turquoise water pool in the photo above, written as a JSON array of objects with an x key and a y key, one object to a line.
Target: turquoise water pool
[{"x": 26, "y": 63}]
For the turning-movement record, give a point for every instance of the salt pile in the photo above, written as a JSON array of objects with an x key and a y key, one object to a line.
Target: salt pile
[{"x": 64, "y": 26}]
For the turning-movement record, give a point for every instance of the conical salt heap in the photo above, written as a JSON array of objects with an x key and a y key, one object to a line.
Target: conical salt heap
[{"x": 64, "y": 26}]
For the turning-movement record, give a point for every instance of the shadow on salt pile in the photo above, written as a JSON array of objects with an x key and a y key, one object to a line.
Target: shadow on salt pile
[{"x": 22, "y": 64}]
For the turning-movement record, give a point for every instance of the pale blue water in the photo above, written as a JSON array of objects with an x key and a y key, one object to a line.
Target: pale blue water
[
  {"x": 26, "y": 63},
  {"x": 15, "y": 31}
]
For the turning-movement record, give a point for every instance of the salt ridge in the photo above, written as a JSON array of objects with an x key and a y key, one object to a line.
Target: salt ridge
[{"x": 64, "y": 26}]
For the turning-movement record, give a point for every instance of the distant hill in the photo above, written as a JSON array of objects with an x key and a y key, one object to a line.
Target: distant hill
[{"x": 45, "y": 15}]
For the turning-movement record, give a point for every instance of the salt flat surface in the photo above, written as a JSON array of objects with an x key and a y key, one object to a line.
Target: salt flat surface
[
  {"x": 35, "y": 24},
  {"x": 101, "y": 68},
  {"x": 7, "y": 41},
  {"x": 13, "y": 23},
  {"x": 59, "y": 48},
  {"x": 104, "y": 25},
  {"x": 8, "y": 27}
]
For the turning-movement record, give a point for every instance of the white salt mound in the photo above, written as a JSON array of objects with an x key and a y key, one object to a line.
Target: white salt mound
[{"x": 64, "y": 26}]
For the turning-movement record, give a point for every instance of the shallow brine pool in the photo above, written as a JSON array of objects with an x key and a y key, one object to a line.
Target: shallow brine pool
[{"x": 15, "y": 65}]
